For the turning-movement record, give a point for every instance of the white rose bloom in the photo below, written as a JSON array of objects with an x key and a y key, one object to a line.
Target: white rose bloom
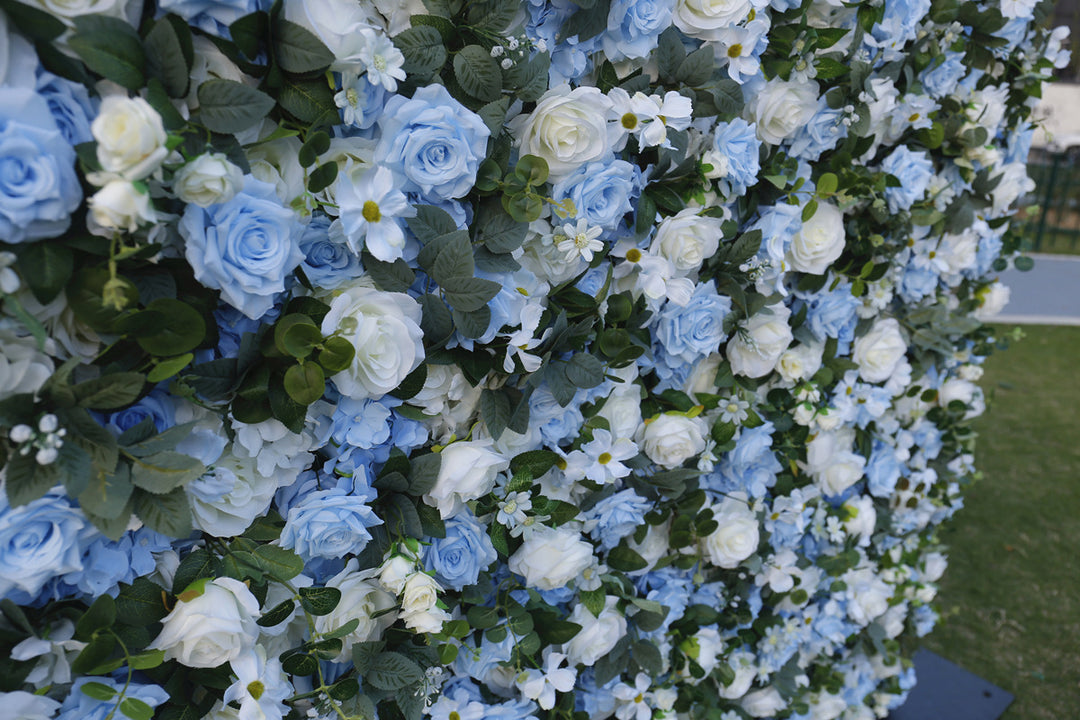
[
  {"x": 862, "y": 520},
  {"x": 568, "y": 128},
  {"x": 744, "y": 663},
  {"x": 27, "y": 706},
  {"x": 934, "y": 565},
  {"x": 994, "y": 298},
  {"x": 130, "y": 136},
  {"x": 819, "y": 241},
  {"x": 551, "y": 557},
  {"x": 800, "y": 362},
  {"x": 966, "y": 392},
  {"x": 449, "y": 399},
  {"x": 827, "y": 707},
  {"x": 844, "y": 470},
  {"x": 468, "y": 470},
  {"x": 783, "y": 107},
  {"x": 670, "y": 440},
  {"x": 737, "y": 537},
  {"x": 707, "y": 19},
  {"x": 338, "y": 23},
  {"x": 277, "y": 162},
  {"x": 755, "y": 349},
  {"x": 68, "y": 9},
  {"x": 207, "y": 180},
  {"x": 226, "y": 500},
  {"x": 868, "y": 595},
  {"x": 23, "y": 368},
  {"x": 893, "y": 620},
  {"x": 654, "y": 545},
  {"x": 687, "y": 239},
  {"x": 361, "y": 597},
  {"x": 384, "y": 327},
  {"x": 623, "y": 410},
  {"x": 276, "y": 449},
  {"x": 120, "y": 206},
  {"x": 420, "y": 593},
  {"x": 880, "y": 350},
  {"x": 598, "y": 635},
  {"x": 702, "y": 378},
  {"x": 765, "y": 702},
  {"x": 211, "y": 629}
]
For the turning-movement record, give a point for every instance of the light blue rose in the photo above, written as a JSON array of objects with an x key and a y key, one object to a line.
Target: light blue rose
[
  {"x": 692, "y": 331},
  {"x": 39, "y": 541},
  {"x": 616, "y": 516},
  {"x": 822, "y": 133},
  {"x": 914, "y": 170},
  {"x": 752, "y": 466},
  {"x": 80, "y": 706},
  {"x": 328, "y": 261},
  {"x": 38, "y": 186},
  {"x": 738, "y": 142},
  {"x": 158, "y": 405},
  {"x": 71, "y": 106},
  {"x": 941, "y": 77},
  {"x": 883, "y": 470},
  {"x": 328, "y": 524},
  {"x": 832, "y": 314},
  {"x": 245, "y": 247},
  {"x": 434, "y": 142},
  {"x": 602, "y": 191},
  {"x": 634, "y": 27},
  {"x": 211, "y": 16},
  {"x": 458, "y": 558}
]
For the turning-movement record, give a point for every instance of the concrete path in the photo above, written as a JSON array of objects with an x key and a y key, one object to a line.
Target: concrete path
[{"x": 1048, "y": 294}]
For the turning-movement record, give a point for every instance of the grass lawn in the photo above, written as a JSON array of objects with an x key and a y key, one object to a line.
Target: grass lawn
[{"x": 1010, "y": 599}]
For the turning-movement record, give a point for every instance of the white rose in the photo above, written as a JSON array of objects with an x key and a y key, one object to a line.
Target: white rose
[
  {"x": 394, "y": 571},
  {"x": 23, "y": 705},
  {"x": 420, "y": 593},
  {"x": 467, "y": 470},
  {"x": 745, "y": 666},
  {"x": 427, "y": 621},
  {"x": 702, "y": 378},
  {"x": 551, "y": 557},
  {"x": 384, "y": 327},
  {"x": 211, "y": 629},
  {"x": 893, "y": 620},
  {"x": 828, "y": 707},
  {"x": 623, "y": 410},
  {"x": 67, "y": 9},
  {"x": 226, "y": 500},
  {"x": 654, "y": 545},
  {"x": 670, "y": 440},
  {"x": 862, "y": 518},
  {"x": 844, "y": 470},
  {"x": 207, "y": 180},
  {"x": 867, "y": 594},
  {"x": 783, "y": 107},
  {"x": 23, "y": 368},
  {"x": 707, "y": 19},
  {"x": 120, "y": 206},
  {"x": 130, "y": 136},
  {"x": 993, "y": 299},
  {"x": 880, "y": 350},
  {"x": 277, "y": 162},
  {"x": 361, "y": 597},
  {"x": 755, "y": 349},
  {"x": 800, "y": 362},
  {"x": 738, "y": 535},
  {"x": 687, "y": 239},
  {"x": 598, "y": 635},
  {"x": 338, "y": 24},
  {"x": 964, "y": 391},
  {"x": 819, "y": 241},
  {"x": 398, "y": 13},
  {"x": 763, "y": 703},
  {"x": 568, "y": 128},
  {"x": 934, "y": 565}
]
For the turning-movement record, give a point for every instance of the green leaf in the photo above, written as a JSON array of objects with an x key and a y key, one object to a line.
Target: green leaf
[
  {"x": 166, "y": 58},
  {"x": 337, "y": 354},
  {"x": 494, "y": 114},
  {"x": 469, "y": 294},
  {"x": 309, "y": 101},
  {"x": 322, "y": 177},
  {"x": 344, "y": 689},
  {"x": 423, "y": 472},
  {"x": 101, "y": 614},
  {"x": 291, "y": 413},
  {"x": 697, "y": 68},
  {"x": 305, "y": 382},
  {"x": 495, "y": 411},
  {"x": 146, "y": 659},
  {"x": 109, "y": 391},
  {"x": 435, "y": 320},
  {"x": 422, "y": 46},
  {"x": 107, "y": 494},
  {"x": 167, "y": 514},
  {"x": 587, "y": 23},
  {"x": 728, "y": 97},
  {"x": 393, "y": 671},
  {"x": 431, "y": 521},
  {"x": 537, "y": 462},
  {"x": 478, "y": 73},
  {"x": 391, "y": 277},
  {"x": 169, "y": 367},
  {"x": 648, "y": 657},
  {"x": 623, "y": 558},
  {"x": 198, "y": 563},
  {"x": 181, "y": 331},
  {"x": 27, "y": 481},
  {"x": 430, "y": 222},
  {"x": 227, "y": 106},
  {"x": 402, "y": 517},
  {"x": 585, "y": 371},
  {"x": 96, "y": 652},
  {"x": 412, "y": 384},
  {"x": 165, "y": 471},
  {"x": 344, "y": 630},
  {"x": 279, "y": 562},
  {"x": 141, "y": 602},
  {"x": 533, "y": 169},
  {"x": 298, "y": 50},
  {"x": 46, "y": 267},
  {"x": 249, "y": 31},
  {"x": 136, "y": 709},
  {"x": 35, "y": 24},
  {"x": 319, "y": 600},
  {"x": 98, "y": 691},
  {"x": 111, "y": 48},
  {"x": 827, "y": 184},
  {"x": 299, "y": 664},
  {"x": 472, "y": 324},
  {"x": 809, "y": 209}
]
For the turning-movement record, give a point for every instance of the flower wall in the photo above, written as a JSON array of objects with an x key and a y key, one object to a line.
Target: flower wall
[{"x": 493, "y": 359}]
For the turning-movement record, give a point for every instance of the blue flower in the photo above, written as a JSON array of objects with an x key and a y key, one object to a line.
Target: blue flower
[
  {"x": 738, "y": 142},
  {"x": 39, "y": 189},
  {"x": 616, "y": 516},
  {"x": 822, "y": 133},
  {"x": 328, "y": 524},
  {"x": 752, "y": 466},
  {"x": 328, "y": 261},
  {"x": 109, "y": 562},
  {"x": 361, "y": 423},
  {"x": 883, "y": 470},
  {"x": 914, "y": 170},
  {"x": 941, "y": 78},
  {"x": 80, "y": 706},
  {"x": 634, "y": 27},
  {"x": 71, "y": 106},
  {"x": 159, "y": 406},
  {"x": 244, "y": 247},
  {"x": 833, "y": 314},
  {"x": 602, "y": 191},
  {"x": 211, "y": 16},
  {"x": 433, "y": 141},
  {"x": 39, "y": 541},
  {"x": 458, "y": 558},
  {"x": 696, "y": 329}
]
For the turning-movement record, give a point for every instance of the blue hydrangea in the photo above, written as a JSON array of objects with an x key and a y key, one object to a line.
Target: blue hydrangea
[
  {"x": 328, "y": 524},
  {"x": 458, "y": 558},
  {"x": 833, "y": 314},
  {"x": 914, "y": 170},
  {"x": 883, "y": 470}
]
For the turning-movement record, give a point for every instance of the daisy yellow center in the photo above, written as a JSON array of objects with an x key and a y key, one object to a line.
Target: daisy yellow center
[
  {"x": 510, "y": 507},
  {"x": 914, "y": 117},
  {"x": 732, "y": 407},
  {"x": 629, "y": 121},
  {"x": 454, "y": 716},
  {"x": 255, "y": 689},
  {"x": 633, "y": 255},
  {"x": 734, "y": 51},
  {"x": 639, "y": 698},
  {"x": 379, "y": 62},
  {"x": 604, "y": 458},
  {"x": 352, "y": 96},
  {"x": 581, "y": 241},
  {"x": 371, "y": 211}
]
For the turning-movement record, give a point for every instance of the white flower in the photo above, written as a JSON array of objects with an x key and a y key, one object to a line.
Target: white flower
[
  {"x": 232, "y": 494},
  {"x": 382, "y": 60},
  {"x": 361, "y": 598},
  {"x": 551, "y": 557},
  {"x": 670, "y": 440},
  {"x": 370, "y": 208},
  {"x": 800, "y": 362},
  {"x": 119, "y": 205},
  {"x": 207, "y": 180},
  {"x": 744, "y": 663},
  {"x": 633, "y": 700},
  {"x": 765, "y": 702},
  {"x": 993, "y": 299},
  {"x": 687, "y": 239},
  {"x": 782, "y": 108},
  {"x": 580, "y": 240},
  {"x": 598, "y": 635},
  {"x": 819, "y": 241},
  {"x": 756, "y": 348},
  {"x": 418, "y": 604},
  {"x": 261, "y": 686},
  {"x": 607, "y": 455},
  {"x": 705, "y": 19},
  {"x": 340, "y": 24},
  {"x": 23, "y": 705},
  {"x": 541, "y": 685},
  {"x": 394, "y": 570},
  {"x": 130, "y": 136},
  {"x": 734, "y": 409},
  {"x": 568, "y": 128},
  {"x": 23, "y": 368},
  {"x": 467, "y": 471},
  {"x": 737, "y": 537},
  {"x": 213, "y": 628},
  {"x": 878, "y": 353},
  {"x": 384, "y": 327}
]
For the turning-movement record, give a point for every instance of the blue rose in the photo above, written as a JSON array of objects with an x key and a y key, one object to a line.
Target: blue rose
[
  {"x": 738, "y": 142},
  {"x": 883, "y": 470},
  {"x": 696, "y": 329},
  {"x": 602, "y": 191},
  {"x": 752, "y": 466},
  {"x": 328, "y": 261},
  {"x": 616, "y": 516},
  {"x": 211, "y": 16},
  {"x": 38, "y": 186},
  {"x": 941, "y": 77},
  {"x": 244, "y": 247},
  {"x": 433, "y": 141},
  {"x": 458, "y": 558},
  {"x": 825, "y": 129},
  {"x": 80, "y": 706},
  {"x": 71, "y": 107},
  {"x": 914, "y": 170},
  {"x": 39, "y": 541},
  {"x": 832, "y": 314},
  {"x": 328, "y": 524},
  {"x": 634, "y": 27},
  {"x": 159, "y": 406}
]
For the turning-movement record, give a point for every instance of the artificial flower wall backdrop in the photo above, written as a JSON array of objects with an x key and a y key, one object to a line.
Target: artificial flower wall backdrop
[{"x": 497, "y": 359}]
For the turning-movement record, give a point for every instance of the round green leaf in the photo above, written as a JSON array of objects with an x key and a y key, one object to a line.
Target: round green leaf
[
  {"x": 532, "y": 169},
  {"x": 305, "y": 383},
  {"x": 336, "y": 355},
  {"x": 296, "y": 335},
  {"x": 182, "y": 330}
]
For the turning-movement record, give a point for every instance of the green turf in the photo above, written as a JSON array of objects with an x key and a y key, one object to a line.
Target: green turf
[{"x": 1011, "y": 597}]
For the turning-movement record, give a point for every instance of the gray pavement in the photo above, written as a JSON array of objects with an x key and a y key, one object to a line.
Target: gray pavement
[{"x": 1048, "y": 294}]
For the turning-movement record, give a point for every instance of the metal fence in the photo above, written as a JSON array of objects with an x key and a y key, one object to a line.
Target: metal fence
[{"x": 1053, "y": 217}]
